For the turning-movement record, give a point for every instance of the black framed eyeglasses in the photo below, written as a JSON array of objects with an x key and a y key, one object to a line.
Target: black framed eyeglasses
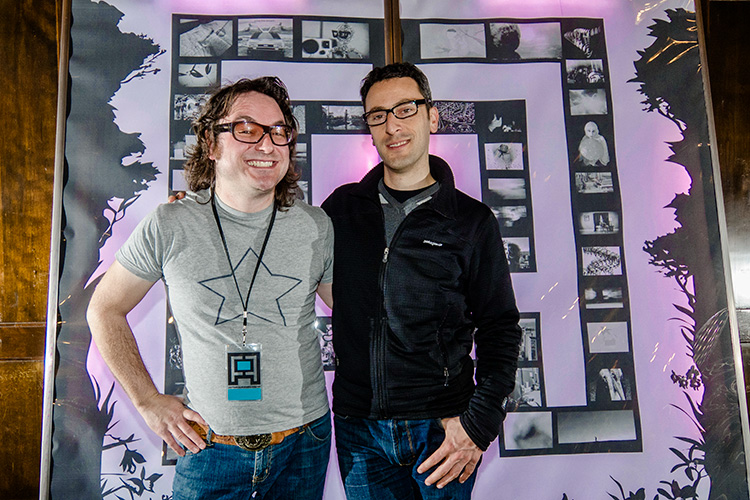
[
  {"x": 252, "y": 133},
  {"x": 400, "y": 111}
]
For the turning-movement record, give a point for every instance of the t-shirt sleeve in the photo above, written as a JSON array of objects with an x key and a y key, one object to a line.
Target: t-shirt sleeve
[
  {"x": 328, "y": 249},
  {"x": 141, "y": 254}
]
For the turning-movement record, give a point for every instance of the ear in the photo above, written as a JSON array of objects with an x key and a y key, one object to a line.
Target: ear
[
  {"x": 434, "y": 119},
  {"x": 211, "y": 146}
]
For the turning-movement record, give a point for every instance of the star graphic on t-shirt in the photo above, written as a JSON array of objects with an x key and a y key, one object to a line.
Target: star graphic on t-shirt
[{"x": 274, "y": 287}]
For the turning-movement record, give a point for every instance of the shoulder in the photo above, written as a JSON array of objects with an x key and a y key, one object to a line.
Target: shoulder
[
  {"x": 469, "y": 207},
  {"x": 339, "y": 200},
  {"x": 302, "y": 208}
]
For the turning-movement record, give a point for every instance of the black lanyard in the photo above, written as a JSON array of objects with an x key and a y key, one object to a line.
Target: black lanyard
[{"x": 246, "y": 301}]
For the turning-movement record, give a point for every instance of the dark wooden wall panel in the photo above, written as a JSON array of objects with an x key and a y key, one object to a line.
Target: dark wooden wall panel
[{"x": 28, "y": 50}]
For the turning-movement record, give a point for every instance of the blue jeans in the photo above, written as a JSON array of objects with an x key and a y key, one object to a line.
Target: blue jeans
[
  {"x": 294, "y": 468},
  {"x": 378, "y": 459}
]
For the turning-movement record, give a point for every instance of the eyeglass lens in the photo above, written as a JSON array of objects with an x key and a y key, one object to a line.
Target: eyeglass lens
[
  {"x": 401, "y": 111},
  {"x": 252, "y": 133}
]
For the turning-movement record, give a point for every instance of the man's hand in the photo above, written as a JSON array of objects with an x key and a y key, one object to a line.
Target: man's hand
[
  {"x": 167, "y": 417},
  {"x": 178, "y": 195},
  {"x": 458, "y": 454}
]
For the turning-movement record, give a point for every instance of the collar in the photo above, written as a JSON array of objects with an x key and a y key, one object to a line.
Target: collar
[{"x": 443, "y": 201}]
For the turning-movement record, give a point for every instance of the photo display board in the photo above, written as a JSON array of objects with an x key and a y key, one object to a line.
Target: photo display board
[{"x": 583, "y": 128}]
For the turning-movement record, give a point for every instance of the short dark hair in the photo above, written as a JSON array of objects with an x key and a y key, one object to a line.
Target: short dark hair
[
  {"x": 200, "y": 169},
  {"x": 396, "y": 70}
]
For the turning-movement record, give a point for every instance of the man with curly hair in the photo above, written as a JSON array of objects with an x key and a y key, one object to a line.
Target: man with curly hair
[{"x": 241, "y": 257}]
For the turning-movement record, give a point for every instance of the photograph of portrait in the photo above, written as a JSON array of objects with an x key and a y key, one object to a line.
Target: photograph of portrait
[
  {"x": 504, "y": 156},
  {"x": 205, "y": 38},
  {"x": 335, "y": 40},
  {"x": 609, "y": 384},
  {"x": 608, "y": 337},
  {"x": 595, "y": 426},
  {"x": 584, "y": 71},
  {"x": 179, "y": 147},
  {"x": 598, "y": 223},
  {"x": 455, "y": 117},
  {"x": 443, "y": 41},
  {"x": 265, "y": 38},
  {"x": 601, "y": 261},
  {"x": 516, "y": 41},
  {"x": 528, "y": 430},
  {"x": 197, "y": 74},
  {"x": 588, "y": 102},
  {"x": 594, "y": 182},
  {"x": 592, "y": 149},
  {"x": 518, "y": 253}
]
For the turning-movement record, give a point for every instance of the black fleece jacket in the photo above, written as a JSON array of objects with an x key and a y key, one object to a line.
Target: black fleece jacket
[{"x": 406, "y": 317}]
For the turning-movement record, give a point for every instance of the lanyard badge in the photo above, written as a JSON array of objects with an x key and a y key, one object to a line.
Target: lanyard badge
[{"x": 243, "y": 360}]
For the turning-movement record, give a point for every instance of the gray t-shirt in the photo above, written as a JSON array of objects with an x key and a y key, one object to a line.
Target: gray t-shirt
[{"x": 180, "y": 244}]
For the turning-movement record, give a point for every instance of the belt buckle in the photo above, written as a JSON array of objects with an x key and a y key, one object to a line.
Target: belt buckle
[{"x": 255, "y": 442}]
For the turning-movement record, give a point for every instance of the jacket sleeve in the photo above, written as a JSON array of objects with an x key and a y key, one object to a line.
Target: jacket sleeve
[{"x": 497, "y": 337}]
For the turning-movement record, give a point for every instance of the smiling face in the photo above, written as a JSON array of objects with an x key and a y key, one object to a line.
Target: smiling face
[
  {"x": 249, "y": 173},
  {"x": 402, "y": 144}
]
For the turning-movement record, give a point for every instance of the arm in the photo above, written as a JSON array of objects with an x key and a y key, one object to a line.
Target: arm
[
  {"x": 493, "y": 307},
  {"x": 325, "y": 292},
  {"x": 118, "y": 292}
]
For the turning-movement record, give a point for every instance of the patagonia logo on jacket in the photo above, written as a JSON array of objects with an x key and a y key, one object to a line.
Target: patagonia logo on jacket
[{"x": 432, "y": 243}]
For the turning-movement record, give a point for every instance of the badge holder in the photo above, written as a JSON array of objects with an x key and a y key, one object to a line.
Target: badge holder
[{"x": 243, "y": 372}]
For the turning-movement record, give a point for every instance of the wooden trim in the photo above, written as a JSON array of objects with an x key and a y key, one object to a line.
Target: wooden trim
[{"x": 392, "y": 32}]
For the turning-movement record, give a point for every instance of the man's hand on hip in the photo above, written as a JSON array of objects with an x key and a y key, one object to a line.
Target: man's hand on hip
[
  {"x": 457, "y": 457},
  {"x": 168, "y": 417}
]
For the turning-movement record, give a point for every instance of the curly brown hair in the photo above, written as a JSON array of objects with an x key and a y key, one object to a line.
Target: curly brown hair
[{"x": 200, "y": 170}]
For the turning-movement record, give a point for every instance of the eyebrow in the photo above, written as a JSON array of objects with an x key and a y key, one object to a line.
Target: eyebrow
[{"x": 248, "y": 118}]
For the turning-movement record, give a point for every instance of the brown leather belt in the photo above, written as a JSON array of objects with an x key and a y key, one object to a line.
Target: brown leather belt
[{"x": 255, "y": 442}]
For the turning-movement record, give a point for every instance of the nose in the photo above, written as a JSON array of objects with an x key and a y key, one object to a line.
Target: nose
[
  {"x": 392, "y": 124},
  {"x": 265, "y": 145}
]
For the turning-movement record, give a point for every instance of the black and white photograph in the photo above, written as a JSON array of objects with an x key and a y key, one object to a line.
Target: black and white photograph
[
  {"x": 456, "y": 117},
  {"x": 197, "y": 74},
  {"x": 299, "y": 111},
  {"x": 265, "y": 38},
  {"x": 609, "y": 383},
  {"x": 335, "y": 40},
  {"x": 603, "y": 297},
  {"x": 179, "y": 147},
  {"x": 608, "y": 337},
  {"x": 188, "y": 106},
  {"x": 518, "y": 253},
  {"x": 583, "y": 41},
  {"x": 507, "y": 189},
  {"x": 178, "y": 182},
  {"x": 528, "y": 430},
  {"x": 510, "y": 216},
  {"x": 325, "y": 336},
  {"x": 584, "y": 71},
  {"x": 205, "y": 39},
  {"x": 594, "y": 182},
  {"x": 447, "y": 41},
  {"x": 588, "y": 102},
  {"x": 595, "y": 426},
  {"x": 337, "y": 117},
  {"x": 601, "y": 261},
  {"x": 516, "y": 41},
  {"x": 529, "y": 340},
  {"x": 504, "y": 156},
  {"x": 598, "y": 223},
  {"x": 303, "y": 167},
  {"x": 592, "y": 149},
  {"x": 528, "y": 390}
]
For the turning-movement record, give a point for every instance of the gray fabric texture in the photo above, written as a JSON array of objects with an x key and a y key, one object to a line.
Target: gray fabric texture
[{"x": 180, "y": 244}]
